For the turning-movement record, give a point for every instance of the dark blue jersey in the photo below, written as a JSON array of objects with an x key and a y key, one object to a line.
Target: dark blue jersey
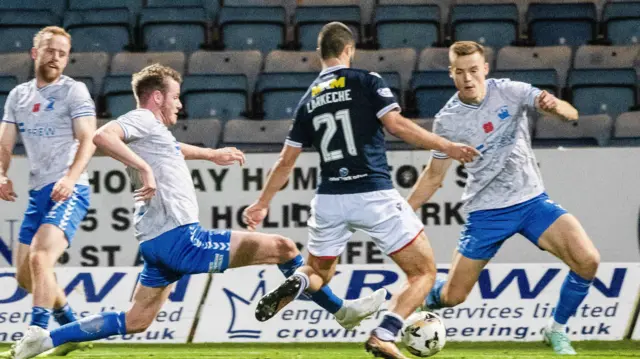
[{"x": 339, "y": 116}]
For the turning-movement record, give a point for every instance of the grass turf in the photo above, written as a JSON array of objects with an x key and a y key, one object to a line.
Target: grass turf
[{"x": 503, "y": 350}]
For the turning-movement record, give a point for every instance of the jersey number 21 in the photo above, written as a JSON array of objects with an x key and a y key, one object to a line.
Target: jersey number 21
[{"x": 330, "y": 120}]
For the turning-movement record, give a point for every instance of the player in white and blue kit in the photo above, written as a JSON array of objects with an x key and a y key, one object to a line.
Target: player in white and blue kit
[
  {"x": 172, "y": 242},
  {"x": 55, "y": 116},
  {"x": 504, "y": 194},
  {"x": 343, "y": 115}
]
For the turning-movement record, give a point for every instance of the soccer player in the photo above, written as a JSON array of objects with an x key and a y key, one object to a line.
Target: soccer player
[
  {"x": 56, "y": 119},
  {"x": 343, "y": 114},
  {"x": 504, "y": 194},
  {"x": 172, "y": 242}
]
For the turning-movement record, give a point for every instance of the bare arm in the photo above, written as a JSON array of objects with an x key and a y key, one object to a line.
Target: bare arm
[
  {"x": 553, "y": 106},
  {"x": 255, "y": 213},
  {"x": 8, "y": 134},
  {"x": 223, "y": 156},
  {"x": 429, "y": 181},
  {"x": 407, "y": 130},
  {"x": 83, "y": 130}
]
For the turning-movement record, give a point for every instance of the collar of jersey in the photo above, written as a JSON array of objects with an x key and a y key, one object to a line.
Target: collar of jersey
[
  {"x": 332, "y": 69},
  {"x": 35, "y": 84},
  {"x": 475, "y": 107}
]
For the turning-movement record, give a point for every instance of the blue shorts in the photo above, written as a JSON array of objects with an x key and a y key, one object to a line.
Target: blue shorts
[
  {"x": 188, "y": 249},
  {"x": 486, "y": 230},
  {"x": 65, "y": 215}
]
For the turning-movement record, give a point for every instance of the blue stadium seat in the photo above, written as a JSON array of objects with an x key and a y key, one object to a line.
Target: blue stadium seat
[
  {"x": 416, "y": 26},
  {"x": 490, "y": 25},
  {"x": 117, "y": 96},
  {"x": 108, "y": 30},
  {"x": 174, "y": 29},
  {"x": 432, "y": 90},
  {"x": 7, "y": 83},
  {"x": 310, "y": 19},
  {"x": 280, "y": 93},
  {"x": 626, "y": 129},
  {"x": 88, "y": 65},
  {"x": 212, "y": 6},
  {"x": 544, "y": 79},
  {"x": 17, "y": 28},
  {"x": 18, "y": 65},
  {"x": 215, "y": 96},
  {"x": 256, "y": 136},
  {"x": 572, "y": 24},
  {"x": 57, "y": 7},
  {"x": 134, "y": 6},
  {"x": 610, "y": 91},
  {"x": 622, "y": 22},
  {"x": 252, "y": 28}
]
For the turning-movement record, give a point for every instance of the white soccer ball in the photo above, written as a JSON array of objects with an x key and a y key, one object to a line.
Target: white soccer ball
[{"x": 424, "y": 334}]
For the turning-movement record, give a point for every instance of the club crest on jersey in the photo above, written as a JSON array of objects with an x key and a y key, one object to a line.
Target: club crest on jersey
[
  {"x": 487, "y": 127},
  {"x": 344, "y": 172},
  {"x": 503, "y": 113},
  {"x": 49, "y": 107}
]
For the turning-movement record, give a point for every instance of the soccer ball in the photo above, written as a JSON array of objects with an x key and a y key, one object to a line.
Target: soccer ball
[{"x": 424, "y": 334}]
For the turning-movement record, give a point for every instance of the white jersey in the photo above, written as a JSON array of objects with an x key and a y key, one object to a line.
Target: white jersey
[
  {"x": 44, "y": 117},
  {"x": 174, "y": 203},
  {"x": 508, "y": 173}
]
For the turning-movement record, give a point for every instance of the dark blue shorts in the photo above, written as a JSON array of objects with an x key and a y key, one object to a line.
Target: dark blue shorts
[
  {"x": 188, "y": 249},
  {"x": 486, "y": 230},
  {"x": 65, "y": 215}
]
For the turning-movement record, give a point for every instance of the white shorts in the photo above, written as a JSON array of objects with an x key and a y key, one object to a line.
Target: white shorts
[{"x": 383, "y": 215}]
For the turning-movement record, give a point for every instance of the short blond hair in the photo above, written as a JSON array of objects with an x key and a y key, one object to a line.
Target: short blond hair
[
  {"x": 464, "y": 48},
  {"x": 152, "y": 78},
  {"x": 53, "y": 30}
]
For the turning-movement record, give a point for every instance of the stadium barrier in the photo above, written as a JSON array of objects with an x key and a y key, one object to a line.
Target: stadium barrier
[
  {"x": 598, "y": 185},
  {"x": 511, "y": 302}
]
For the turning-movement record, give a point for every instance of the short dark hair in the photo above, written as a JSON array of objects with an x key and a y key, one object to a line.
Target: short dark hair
[
  {"x": 333, "y": 38},
  {"x": 152, "y": 78}
]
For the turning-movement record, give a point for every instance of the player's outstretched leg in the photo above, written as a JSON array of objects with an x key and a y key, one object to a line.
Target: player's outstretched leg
[
  {"x": 417, "y": 261},
  {"x": 567, "y": 240},
  {"x": 348, "y": 313}
]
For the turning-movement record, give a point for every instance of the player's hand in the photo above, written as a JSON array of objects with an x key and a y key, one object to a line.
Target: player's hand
[
  {"x": 148, "y": 189},
  {"x": 227, "y": 156},
  {"x": 462, "y": 152},
  {"x": 6, "y": 190},
  {"x": 547, "y": 102},
  {"x": 63, "y": 189},
  {"x": 254, "y": 215}
]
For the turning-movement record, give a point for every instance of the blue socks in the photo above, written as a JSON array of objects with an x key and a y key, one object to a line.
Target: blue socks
[
  {"x": 94, "y": 327},
  {"x": 433, "y": 298},
  {"x": 389, "y": 327},
  {"x": 324, "y": 297},
  {"x": 573, "y": 291},
  {"x": 40, "y": 317},
  {"x": 64, "y": 315}
]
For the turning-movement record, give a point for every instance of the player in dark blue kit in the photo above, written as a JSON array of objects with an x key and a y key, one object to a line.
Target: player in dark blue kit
[{"x": 342, "y": 115}]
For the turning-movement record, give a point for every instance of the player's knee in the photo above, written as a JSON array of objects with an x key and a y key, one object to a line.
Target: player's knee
[
  {"x": 285, "y": 248},
  {"x": 588, "y": 266},
  {"x": 38, "y": 260}
]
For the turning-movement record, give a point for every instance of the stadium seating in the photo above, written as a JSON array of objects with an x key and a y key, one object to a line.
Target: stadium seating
[
  {"x": 292, "y": 61},
  {"x": 398, "y": 26},
  {"x": 134, "y": 6},
  {"x": 252, "y": 28},
  {"x": 606, "y": 57},
  {"x": 395, "y": 143},
  {"x": 174, "y": 29},
  {"x": 107, "y": 30},
  {"x": 7, "y": 83},
  {"x": 215, "y": 96},
  {"x": 278, "y": 94},
  {"x": 256, "y": 136},
  {"x": 544, "y": 79},
  {"x": 552, "y": 24},
  {"x": 88, "y": 66},
  {"x": 627, "y": 129},
  {"x": 494, "y": 25},
  {"x": 211, "y": 6},
  {"x": 402, "y": 61},
  {"x": 18, "y": 65},
  {"x": 438, "y": 58},
  {"x": 528, "y": 58},
  {"x": 610, "y": 91},
  {"x": 57, "y": 7},
  {"x": 621, "y": 22},
  {"x": 431, "y": 91},
  {"x": 17, "y": 28},
  {"x": 588, "y": 131},
  {"x": 310, "y": 19},
  {"x": 125, "y": 63},
  {"x": 117, "y": 95},
  {"x": 206, "y": 132}
]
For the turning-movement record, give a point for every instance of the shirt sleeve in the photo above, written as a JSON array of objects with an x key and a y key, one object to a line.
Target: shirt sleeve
[
  {"x": 441, "y": 130},
  {"x": 298, "y": 134},
  {"x": 9, "y": 115},
  {"x": 382, "y": 98},
  {"x": 80, "y": 102},
  {"x": 135, "y": 127},
  {"x": 522, "y": 92}
]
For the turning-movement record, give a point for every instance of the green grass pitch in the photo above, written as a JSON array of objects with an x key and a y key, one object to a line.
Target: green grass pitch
[{"x": 591, "y": 349}]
